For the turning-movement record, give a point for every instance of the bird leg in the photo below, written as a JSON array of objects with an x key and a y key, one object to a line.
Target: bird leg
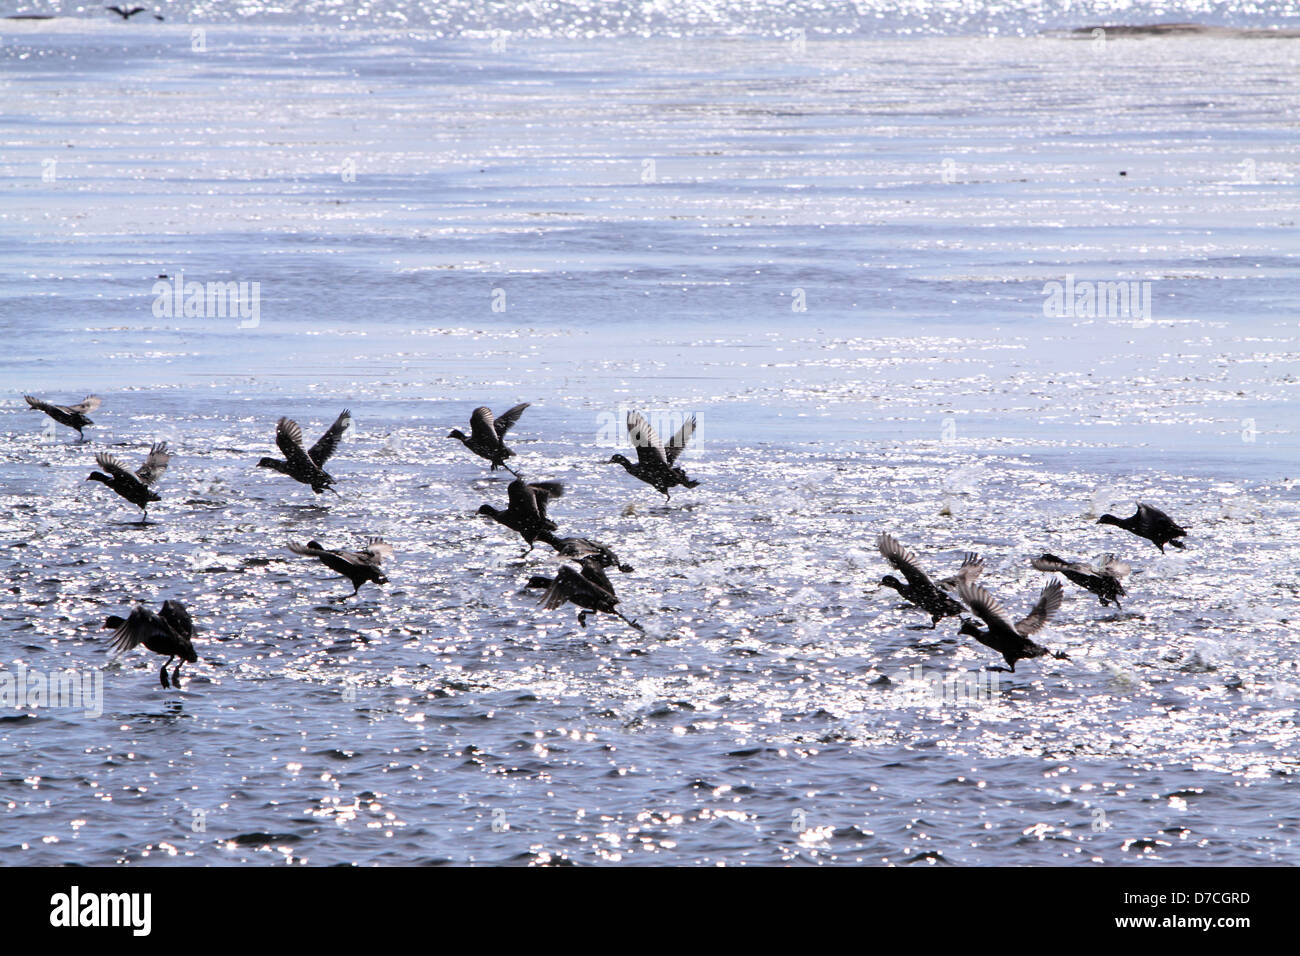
[
  {"x": 162, "y": 673},
  {"x": 176, "y": 675},
  {"x": 630, "y": 623},
  {"x": 582, "y": 619}
]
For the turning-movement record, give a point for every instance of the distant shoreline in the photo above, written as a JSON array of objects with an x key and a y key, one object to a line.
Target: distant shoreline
[{"x": 1175, "y": 29}]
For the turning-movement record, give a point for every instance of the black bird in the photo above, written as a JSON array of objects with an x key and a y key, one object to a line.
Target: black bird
[
  {"x": 1150, "y": 523},
  {"x": 1010, "y": 640},
  {"x": 590, "y": 589},
  {"x": 1107, "y": 582},
  {"x": 357, "y": 566},
  {"x": 307, "y": 467},
  {"x": 919, "y": 589},
  {"x": 579, "y": 548},
  {"x": 655, "y": 464},
  {"x": 487, "y": 435},
  {"x": 125, "y": 14},
  {"x": 134, "y": 486},
  {"x": 168, "y": 632},
  {"x": 527, "y": 511},
  {"x": 74, "y": 416}
]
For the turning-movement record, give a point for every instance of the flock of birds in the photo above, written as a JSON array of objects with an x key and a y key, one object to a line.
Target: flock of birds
[
  {"x": 952, "y": 596},
  {"x": 170, "y": 631}
]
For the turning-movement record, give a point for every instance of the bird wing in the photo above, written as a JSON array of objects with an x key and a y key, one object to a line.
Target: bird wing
[
  {"x": 375, "y": 552},
  {"x": 1115, "y": 568},
  {"x": 524, "y": 501},
  {"x": 288, "y": 438},
  {"x": 543, "y": 492},
  {"x": 136, "y": 629},
  {"x": 307, "y": 550},
  {"x": 321, "y": 451},
  {"x": 482, "y": 427},
  {"x": 41, "y": 406},
  {"x": 1050, "y": 562},
  {"x": 595, "y": 574},
  {"x": 569, "y": 583},
  {"x": 984, "y": 604},
  {"x": 902, "y": 558},
  {"x": 88, "y": 404},
  {"x": 115, "y": 468},
  {"x": 507, "y": 421},
  {"x": 649, "y": 450},
  {"x": 1049, "y": 599},
  {"x": 154, "y": 465},
  {"x": 972, "y": 566},
  {"x": 177, "y": 618},
  {"x": 679, "y": 440}
]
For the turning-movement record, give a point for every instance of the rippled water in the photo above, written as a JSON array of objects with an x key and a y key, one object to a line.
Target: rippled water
[{"x": 652, "y": 210}]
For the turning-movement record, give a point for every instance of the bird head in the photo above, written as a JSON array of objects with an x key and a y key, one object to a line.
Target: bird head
[
  {"x": 99, "y": 476},
  {"x": 969, "y": 628},
  {"x": 266, "y": 463},
  {"x": 890, "y": 581},
  {"x": 487, "y": 510},
  {"x": 618, "y": 460},
  {"x": 456, "y": 433}
]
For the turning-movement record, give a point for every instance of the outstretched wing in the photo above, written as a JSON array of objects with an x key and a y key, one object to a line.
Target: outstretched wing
[
  {"x": 115, "y": 468},
  {"x": 288, "y": 438},
  {"x": 507, "y": 421},
  {"x": 1049, "y": 600},
  {"x": 321, "y": 451},
  {"x": 482, "y": 427},
  {"x": 1050, "y": 562},
  {"x": 569, "y": 583},
  {"x": 307, "y": 550},
  {"x": 649, "y": 450},
  {"x": 88, "y": 404},
  {"x": 154, "y": 465},
  {"x": 136, "y": 629},
  {"x": 972, "y": 566},
  {"x": 375, "y": 552},
  {"x": 41, "y": 406},
  {"x": 902, "y": 558},
  {"x": 1115, "y": 568},
  {"x": 679, "y": 440},
  {"x": 984, "y": 604}
]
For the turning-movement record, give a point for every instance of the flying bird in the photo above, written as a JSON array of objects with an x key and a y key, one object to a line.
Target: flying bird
[
  {"x": 1010, "y": 640},
  {"x": 74, "y": 416},
  {"x": 589, "y": 589},
  {"x": 169, "y": 632},
  {"x": 135, "y": 487},
  {"x": 307, "y": 467},
  {"x": 487, "y": 435},
  {"x": 656, "y": 465},
  {"x": 579, "y": 548},
  {"x": 1107, "y": 581},
  {"x": 357, "y": 566},
  {"x": 526, "y": 513},
  {"x": 919, "y": 589},
  {"x": 1150, "y": 523}
]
